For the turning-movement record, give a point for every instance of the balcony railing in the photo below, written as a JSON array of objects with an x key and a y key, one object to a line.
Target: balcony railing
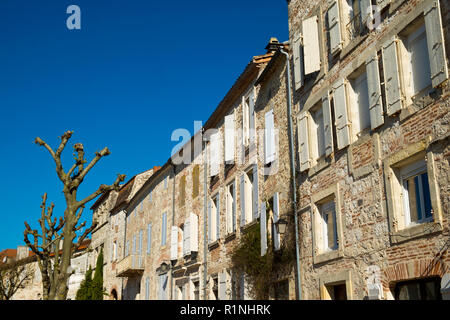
[
  {"x": 131, "y": 265},
  {"x": 355, "y": 27}
]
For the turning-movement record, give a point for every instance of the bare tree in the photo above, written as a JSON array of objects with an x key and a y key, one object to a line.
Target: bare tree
[
  {"x": 54, "y": 259},
  {"x": 13, "y": 276}
]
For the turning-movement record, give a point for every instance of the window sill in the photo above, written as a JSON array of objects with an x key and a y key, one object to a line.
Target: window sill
[
  {"x": 328, "y": 256},
  {"x": 213, "y": 245},
  {"x": 418, "y": 102},
  {"x": 415, "y": 231},
  {"x": 321, "y": 163},
  {"x": 230, "y": 236},
  {"x": 248, "y": 225}
]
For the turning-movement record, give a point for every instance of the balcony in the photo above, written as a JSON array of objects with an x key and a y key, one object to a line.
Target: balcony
[{"x": 132, "y": 265}]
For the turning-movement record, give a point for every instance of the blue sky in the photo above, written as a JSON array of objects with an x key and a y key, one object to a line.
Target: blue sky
[{"x": 136, "y": 71}]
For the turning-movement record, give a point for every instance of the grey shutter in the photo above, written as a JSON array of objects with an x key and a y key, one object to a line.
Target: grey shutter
[
  {"x": 149, "y": 238},
  {"x": 187, "y": 237},
  {"x": 218, "y": 217},
  {"x": 391, "y": 77},
  {"x": 255, "y": 191},
  {"x": 276, "y": 215},
  {"x": 141, "y": 238},
  {"x": 311, "y": 49},
  {"x": 269, "y": 137},
  {"x": 374, "y": 87},
  {"x": 193, "y": 232},
  {"x": 222, "y": 286},
  {"x": 303, "y": 143},
  {"x": 328, "y": 124},
  {"x": 341, "y": 116},
  {"x": 366, "y": 10},
  {"x": 229, "y": 137},
  {"x": 435, "y": 40},
  {"x": 174, "y": 243},
  {"x": 209, "y": 221},
  {"x": 234, "y": 207},
  {"x": 263, "y": 229},
  {"x": 298, "y": 63},
  {"x": 334, "y": 27},
  {"x": 242, "y": 195},
  {"x": 164, "y": 229}
]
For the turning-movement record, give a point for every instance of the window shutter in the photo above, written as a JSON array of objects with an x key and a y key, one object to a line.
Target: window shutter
[
  {"x": 374, "y": 87},
  {"x": 269, "y": 137},
  {"x": 234, "y": 207},
  {"x": 209, "y": 221},
  {"x": 263, "y": 229},
  {"x": 334, "y": 27},
  {"x": 341, "y": 116},
  {"x": 303, "y": 144},
  {"x": 174, "y": 243},
  {"x": 251, "y": 114},
  {"x": 164, "y": 229},
  {"x": 218, "y": 217},
  {"x": 366, "y": 10},
  {"x": 141, "y": 238},
  {"x": 255, "y": 191},
  {"x": 244, "y": 122},
  {"x": 193, "y": 232},
  {"x": 242, "y": 195},
  {"x": 214, "y": 149},
  {"x": 436, "y": 46},
  {"x": 187, "y": 237},
  {"x": 229, "y": 138},
  {"x": 222, "y": 286},
  {"x": 311, "y": 49},
  {"x": 328, "y": 124},
  {"x": 391, "y": 76},
  {"x": 276, "y": 215},
  {"x": 298, "y": 63}
]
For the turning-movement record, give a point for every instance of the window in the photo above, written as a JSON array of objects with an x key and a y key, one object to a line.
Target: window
[
  {"x": 422, "y": 289},
  {"x": 196, "y": 290},
  {"x": 415, "y": 62},
  {"x": 328, "y": 226},
  {"x": 355, "y": 26},
  {"x": 215, "y": 288},
  {"x": 248, "y": 195},
  {"x": 162, "y": 286},
  {"x": 195, "y": 181},
  {"x": 416, "y": 193},
  {"x": 231, "y": 207},
  {"x": 214, "y": 218},
  {"x": 318, "y": 133},
  {"x": 337, "y": 291},
  {"x": 358, "y": 96},
  {"x": 246, "y": 119},
  {"x": 163, "y": 229}
]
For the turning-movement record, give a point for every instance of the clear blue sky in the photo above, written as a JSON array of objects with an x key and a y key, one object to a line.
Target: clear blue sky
[{"x": 136, "y": 71}]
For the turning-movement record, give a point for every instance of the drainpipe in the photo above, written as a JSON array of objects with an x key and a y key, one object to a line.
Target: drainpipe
[
  {"x": 294, "y": 185},
  {"x": 205, "y": 218}
]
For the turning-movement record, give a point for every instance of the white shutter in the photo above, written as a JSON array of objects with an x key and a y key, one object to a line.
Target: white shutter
[
  {"x": 276, "y": 216},
  {"x": 187, "y": 237},
  {"x": 229, "y": 137},
  {"x": 193, "y": 232},
  {"x": 298, "y": 63},
  {"x": 269, "y": 137},
  {"x": 334, "y": 27},
  {"x": 214, "y": 150},
  {"x": 234, "y": 207},
  {"x": 251, "y": 113},
  {"x": 391, "y": 77},
  {"x": 263, "y": 229},
  {"x": 366, "y": 10},
  {"x": 218, "y": 217},
  {"x": 328, "y": 124},
  {"x": 244, "y": 122},
  {"x": 255, "y": 191},
  {"x": 436, "y": 46},
  {"x": 374, "y": 87},
  {"x": 174, "y": 243},
  {"x": 303, "y": 143},
  {"x": 222, "y": 286},
  {"x": 209, "y": 221},
  {"x": 242, "y": 195},
  {"x": 311, "y": 49},
  {"x": 341, "y": 116}
]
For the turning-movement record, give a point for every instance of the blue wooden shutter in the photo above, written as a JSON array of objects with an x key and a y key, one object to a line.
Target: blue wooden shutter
[
  {"x": 255, "y": 191},
  {"x": 242, "y": 195},
  {"x": 149, "y": 238},
  {"x": 263, "y": 229}
]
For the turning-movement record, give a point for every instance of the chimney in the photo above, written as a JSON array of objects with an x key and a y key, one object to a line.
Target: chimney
[
  {"x": 22, "y": 252},
  {"x": 273, "y": 45}
]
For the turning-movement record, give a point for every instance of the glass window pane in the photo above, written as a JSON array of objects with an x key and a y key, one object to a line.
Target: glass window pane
[{"x": 426, "y": 195}]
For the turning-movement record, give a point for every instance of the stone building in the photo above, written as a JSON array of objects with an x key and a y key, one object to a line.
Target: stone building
[{"x": 372, "y": 113}]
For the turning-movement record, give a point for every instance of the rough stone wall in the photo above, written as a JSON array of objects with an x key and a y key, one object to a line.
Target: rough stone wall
[{"x": 358, "y": 171}]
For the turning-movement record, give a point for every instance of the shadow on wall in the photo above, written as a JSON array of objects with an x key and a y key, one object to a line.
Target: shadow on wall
[{"x": 132, "y": 288}]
